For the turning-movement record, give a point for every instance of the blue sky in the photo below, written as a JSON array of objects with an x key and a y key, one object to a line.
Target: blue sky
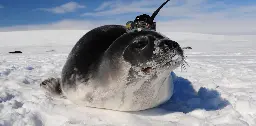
[{"x": 209, "y": 16}]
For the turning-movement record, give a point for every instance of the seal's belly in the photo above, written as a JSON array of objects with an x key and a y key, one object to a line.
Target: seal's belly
[{"x": 119, "y": 96}]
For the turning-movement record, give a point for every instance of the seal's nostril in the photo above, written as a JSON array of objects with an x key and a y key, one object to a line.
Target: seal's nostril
[{"x": 173, "y": 44}]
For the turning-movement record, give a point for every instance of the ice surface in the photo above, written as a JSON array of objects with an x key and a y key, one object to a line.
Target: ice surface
[{"x": 218, "y": 89}]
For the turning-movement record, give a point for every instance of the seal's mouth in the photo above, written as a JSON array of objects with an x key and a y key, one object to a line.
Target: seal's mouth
[
  {"x": 147, "y": 70},
  {"x": 168, "y": 64}
]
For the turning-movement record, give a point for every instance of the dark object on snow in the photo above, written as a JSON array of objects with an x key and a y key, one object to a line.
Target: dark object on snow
[
  {"x": 188, "y": 47},
  {"x": 144, "y": 21},
  {"x": 16, "y": 52},
  {"x": 51, "y": 50}
]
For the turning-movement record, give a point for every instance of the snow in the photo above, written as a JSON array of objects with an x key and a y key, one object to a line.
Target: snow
[{"x": 216, "y": 89}]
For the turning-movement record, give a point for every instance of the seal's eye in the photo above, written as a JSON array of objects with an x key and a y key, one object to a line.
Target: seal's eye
[{"x": 140, "y": 44}]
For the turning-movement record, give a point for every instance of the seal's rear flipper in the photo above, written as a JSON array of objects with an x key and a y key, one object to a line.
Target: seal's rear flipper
[{"x": 52, "y": 86}]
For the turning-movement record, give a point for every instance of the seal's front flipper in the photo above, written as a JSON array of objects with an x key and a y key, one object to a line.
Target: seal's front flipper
[{"x": 52, "y": 86}]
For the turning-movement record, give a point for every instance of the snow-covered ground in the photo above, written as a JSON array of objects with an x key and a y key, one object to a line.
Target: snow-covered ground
[{"x": 217, "y": 89}]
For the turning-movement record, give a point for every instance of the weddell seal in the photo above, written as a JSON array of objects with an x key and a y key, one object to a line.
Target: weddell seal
[
  {"x": 111, "y": 69},
  {"x": 118, "y": 68}
]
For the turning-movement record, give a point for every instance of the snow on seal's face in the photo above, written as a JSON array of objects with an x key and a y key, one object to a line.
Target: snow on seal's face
[{"x": 149, "y": 55}]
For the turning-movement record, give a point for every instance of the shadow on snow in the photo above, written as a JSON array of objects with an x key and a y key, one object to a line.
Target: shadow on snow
[{"x": 186, "y": 99}]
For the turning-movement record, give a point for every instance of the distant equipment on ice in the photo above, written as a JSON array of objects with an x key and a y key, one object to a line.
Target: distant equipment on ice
[{"x": 16, "y": 52}]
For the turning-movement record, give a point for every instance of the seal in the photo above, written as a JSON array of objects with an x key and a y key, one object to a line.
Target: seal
[{"x": 109, "y": 68}]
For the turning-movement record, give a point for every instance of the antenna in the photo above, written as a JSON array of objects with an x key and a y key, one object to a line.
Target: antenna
[{"x": 158, "y": 9}]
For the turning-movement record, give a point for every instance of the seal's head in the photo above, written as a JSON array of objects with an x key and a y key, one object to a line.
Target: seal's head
[{"x": 152, "y": 53}]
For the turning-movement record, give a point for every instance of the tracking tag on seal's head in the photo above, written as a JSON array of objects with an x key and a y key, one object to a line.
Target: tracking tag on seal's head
[
  {"x": 158, "y": 9},
  {"x": 144, "y": 21}
]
